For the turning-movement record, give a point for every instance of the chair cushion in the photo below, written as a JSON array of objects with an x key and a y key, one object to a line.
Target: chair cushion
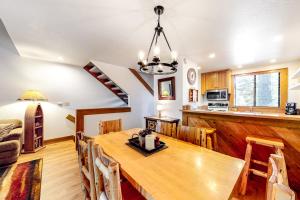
[
  {"x": 12, "y": 145},
  {"x": 129, "y": 192},
  {"x": 8, "y": 160},
  {"x": 4, "y": 127}
]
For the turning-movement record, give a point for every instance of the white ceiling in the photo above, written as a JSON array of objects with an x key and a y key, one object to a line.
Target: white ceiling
[{"x": 239, "y": 32}]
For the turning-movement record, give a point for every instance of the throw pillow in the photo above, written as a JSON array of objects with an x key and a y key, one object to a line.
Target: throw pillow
[
  {"x": 4, "y": 130},
  {"x": 4, "y": 127}
]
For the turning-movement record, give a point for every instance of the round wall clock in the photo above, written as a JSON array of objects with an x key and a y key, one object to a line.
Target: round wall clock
[{"x": 191, "y": 76}]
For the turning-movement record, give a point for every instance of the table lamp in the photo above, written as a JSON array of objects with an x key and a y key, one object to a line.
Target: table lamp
[
  {"x": 32, "y": 95},
  {"x": 159, "y": 109}
]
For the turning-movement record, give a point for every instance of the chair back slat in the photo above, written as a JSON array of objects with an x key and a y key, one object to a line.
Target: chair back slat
[
  {"x": 85, "y": 162},
  {"x": 200, "y": 136},
  {"x": 107, "y": 176},
  {"x": 191, "y": 135},
  {"x": 168, "y": 129},
  {"x": 277, "y": 183},
  {"x": 203, "y": 138},
  {"x": 110, "y": 126}
]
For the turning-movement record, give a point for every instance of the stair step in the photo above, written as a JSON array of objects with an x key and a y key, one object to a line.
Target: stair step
[
  {"x": 95, "y": 69},
  {"x": 88, "y": 67},
  {"x": 104, "y": 79},
  {"x": 96, "y": 73},
  {"x": 102, "y": 76},
  {"x": 109, "y": 83}
]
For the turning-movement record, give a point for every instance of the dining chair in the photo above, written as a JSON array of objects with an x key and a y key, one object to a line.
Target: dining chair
[
  {"x": 81, "y": 136},
  {"x": 110, "y": 126},
  {"x": 277, "y": 182},
  {"x": 168, "y": 129},
  {"x": 108, "y": 183},
  {"x": 204, "y": 137},
  {"x": 276, "y": 144},
  {"x": 85, "y": 161}
]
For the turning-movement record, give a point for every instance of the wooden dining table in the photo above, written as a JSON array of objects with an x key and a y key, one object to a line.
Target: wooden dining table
[{"x": 181, "y": 171}]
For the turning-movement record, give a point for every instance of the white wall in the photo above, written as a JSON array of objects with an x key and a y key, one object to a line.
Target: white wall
[
  {"x": 141, "y": 101},
  {"x": 293, "y": 95},
  {"x": 171, "y": 108},
  {"x": 60, "y": 83},
  {"x": 55, "y": 124},
  {"x": 186, "y": 85}
]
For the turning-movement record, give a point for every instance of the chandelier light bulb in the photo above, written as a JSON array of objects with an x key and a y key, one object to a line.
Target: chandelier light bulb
[
  {"x": 160, "y": 68},
  {"x": 145, "y": 62},
  {"x": 141, "y": 55},
  {"x": 174, "y": 55},
  {"x": 156, "y": 51}
]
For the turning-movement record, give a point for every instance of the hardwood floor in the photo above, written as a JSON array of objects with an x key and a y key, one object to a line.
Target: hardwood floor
[{"x": 61, "y": 179}]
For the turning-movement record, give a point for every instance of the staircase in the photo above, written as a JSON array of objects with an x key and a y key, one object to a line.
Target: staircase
[
  {"x": 140, "y": 78},
  {"x": 107, "y": 82}
]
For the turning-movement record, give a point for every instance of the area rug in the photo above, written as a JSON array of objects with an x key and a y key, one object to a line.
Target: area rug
[{"x": 26, "y": 181}]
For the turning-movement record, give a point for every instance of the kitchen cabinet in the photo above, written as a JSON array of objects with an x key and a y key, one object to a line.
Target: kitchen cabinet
[{"x": 216, "y": 80}]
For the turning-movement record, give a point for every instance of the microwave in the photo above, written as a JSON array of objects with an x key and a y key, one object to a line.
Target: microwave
[{"x": 217, "y": 95}]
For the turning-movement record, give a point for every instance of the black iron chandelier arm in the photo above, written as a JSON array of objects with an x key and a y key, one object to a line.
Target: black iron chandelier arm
[
  {"x": 167, "y": 41},
  {"x": 151, "y": 44}
]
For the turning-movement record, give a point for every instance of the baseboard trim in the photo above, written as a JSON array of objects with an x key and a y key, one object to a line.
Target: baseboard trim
[{"x": 60, "y": 139}]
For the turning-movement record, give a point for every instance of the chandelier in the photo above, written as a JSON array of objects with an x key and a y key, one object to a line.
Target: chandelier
[{"x": 155, "y": 65}]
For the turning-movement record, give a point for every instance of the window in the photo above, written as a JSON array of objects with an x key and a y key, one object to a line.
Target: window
[{"x": 261, "y": 89}]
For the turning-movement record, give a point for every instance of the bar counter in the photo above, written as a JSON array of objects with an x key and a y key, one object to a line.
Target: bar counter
[{"x": 233, "y": 128}]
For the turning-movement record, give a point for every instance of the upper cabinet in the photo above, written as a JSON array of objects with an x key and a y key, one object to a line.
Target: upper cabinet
[{"x": 216, "y": 80}]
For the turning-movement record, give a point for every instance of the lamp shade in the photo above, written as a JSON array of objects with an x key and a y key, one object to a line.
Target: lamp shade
[
  {"x": 32, "y": 95},
  {"x": 159, "y": 107}
]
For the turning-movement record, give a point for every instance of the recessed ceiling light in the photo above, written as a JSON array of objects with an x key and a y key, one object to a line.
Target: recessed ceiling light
[
  {"x": 278, "y": 38},
  {"x": 212, "y": 55},
  {"x": 60, "y": 58},
  {"x": 240, "y": 66},
  {"x": 273, "y": 60}
]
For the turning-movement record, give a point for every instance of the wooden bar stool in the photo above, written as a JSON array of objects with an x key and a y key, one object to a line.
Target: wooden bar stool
[
  {"x": 211, "y": 137},
  {"x": 275, "y": 143}
]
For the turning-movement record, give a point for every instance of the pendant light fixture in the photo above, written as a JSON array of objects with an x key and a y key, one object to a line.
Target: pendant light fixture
[{"x": 155, "y": 65}]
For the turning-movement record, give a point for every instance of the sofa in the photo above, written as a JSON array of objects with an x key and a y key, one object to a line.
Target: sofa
[{"x": 11, "y": 132}]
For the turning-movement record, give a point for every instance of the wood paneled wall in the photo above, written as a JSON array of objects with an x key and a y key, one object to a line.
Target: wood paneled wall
[{"x": 232, "y": 132}]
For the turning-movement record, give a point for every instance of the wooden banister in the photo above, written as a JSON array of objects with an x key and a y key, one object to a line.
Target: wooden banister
[
  {"x": 71, "y": 118},
  {"x": 80, "y": 113},
  {"x": 140, "y": 78}
]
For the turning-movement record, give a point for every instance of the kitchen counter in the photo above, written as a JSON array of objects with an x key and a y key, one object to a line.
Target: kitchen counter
[
  {"x": 233, "y": 128},
  {"x": 260, "y": 115}
]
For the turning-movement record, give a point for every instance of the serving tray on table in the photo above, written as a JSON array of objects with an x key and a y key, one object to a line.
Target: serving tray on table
[{"x": 135, "y": 144}]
